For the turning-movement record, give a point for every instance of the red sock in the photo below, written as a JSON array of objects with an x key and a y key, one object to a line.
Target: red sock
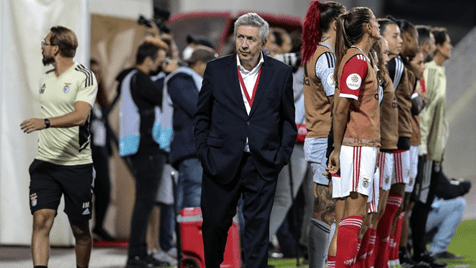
[
  {"x": 331, "y": 261},
  {"x": 369, "y": 261},
  {"x": 391, "y": 248},
  {"x": 398, "y": 235},
  {"x": 383, "y": 231},
  {"x": 362, "y": 255},
  {"x": 347, "y": 241}
]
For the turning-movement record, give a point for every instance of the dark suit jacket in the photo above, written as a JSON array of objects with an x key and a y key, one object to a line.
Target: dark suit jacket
[
  {"x": 184, "y": 94},
  {"x": 221, "y": 124}
]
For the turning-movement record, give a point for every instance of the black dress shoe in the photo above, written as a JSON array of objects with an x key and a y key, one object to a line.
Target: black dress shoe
[
  {"x": 426, "y": 258},
  {"x": 406, "y": 260},
  {"x": 101, "y": 234},
  {"x": 447, "y": 255},
  {"x": 145, "y": 262}
]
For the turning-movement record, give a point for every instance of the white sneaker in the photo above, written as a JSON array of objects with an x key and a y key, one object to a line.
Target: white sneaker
[
  {"x": 163, "y": 257},
  {"x": 172, "y": 252}
]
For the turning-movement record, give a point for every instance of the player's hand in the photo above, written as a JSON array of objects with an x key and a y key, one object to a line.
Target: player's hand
[
  {"x": 334, "y": 162},
  {"x": 32, "y": 124}
]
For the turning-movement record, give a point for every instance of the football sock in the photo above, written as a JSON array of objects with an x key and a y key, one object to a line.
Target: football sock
[
  {"x": 347, "y": 241},
  {"x": 362, "y": 255},
  {"x": 369, "y": 261},
  {"x": 331, "y": 261},
  {"x": 383, "y": 231},
  {"x": 318, "y": 242}
]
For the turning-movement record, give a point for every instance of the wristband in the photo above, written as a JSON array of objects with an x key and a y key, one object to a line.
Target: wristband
[{"x": 47, "y": 123}]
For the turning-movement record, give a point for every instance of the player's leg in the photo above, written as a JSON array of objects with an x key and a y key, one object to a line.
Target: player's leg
[
  {"x": 357, "y": 171},
  {"x": 45, "y": 196},
  {"x": 324, "y": 205},
  {"x": 40, "y": 241},
  {"x": 84, "y": 241},
  {"x": 339, "y": 212},
  {"x": 77, "y": 183}
]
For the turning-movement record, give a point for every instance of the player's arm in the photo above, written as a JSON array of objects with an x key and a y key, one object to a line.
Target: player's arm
[
  {"x": 77, "y": 118},
  {"x": 85, "y": 99},
  {"x": 427, "y": 114}
]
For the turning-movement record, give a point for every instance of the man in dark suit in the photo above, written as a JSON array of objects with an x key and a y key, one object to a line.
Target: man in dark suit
[{"x": 244, "y": 134}]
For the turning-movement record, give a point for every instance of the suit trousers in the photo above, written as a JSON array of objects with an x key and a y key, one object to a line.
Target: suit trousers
[{"x": 219, "y": 202}]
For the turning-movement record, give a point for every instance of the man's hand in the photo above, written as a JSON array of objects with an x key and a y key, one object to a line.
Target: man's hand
[
  {"x": 334, "y": 162},
  {"x": 32, "y": 124}
]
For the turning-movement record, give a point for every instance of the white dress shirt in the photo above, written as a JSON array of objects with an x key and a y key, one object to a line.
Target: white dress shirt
[{"x": 249, "y": 79}]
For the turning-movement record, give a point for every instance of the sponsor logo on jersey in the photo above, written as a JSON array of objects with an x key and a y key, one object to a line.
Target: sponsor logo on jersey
[
  {"x": 353, "y": 81},
  {"x": 33, "y": 199},
  {"x": 86, "y": 212},
  {"x": 42, "y": 89},
  {"x": 66, "y": 87}
]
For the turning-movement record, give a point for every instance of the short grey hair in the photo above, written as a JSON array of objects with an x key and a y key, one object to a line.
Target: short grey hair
[{"x": 253, "y": 19}]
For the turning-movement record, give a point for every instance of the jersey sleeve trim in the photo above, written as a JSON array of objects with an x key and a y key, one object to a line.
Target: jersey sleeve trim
[
  {"x": 89, "y": 75},
  {"x": 324, "y": 69},
  {"x": 396, "y": 68},
  {"x": 348, "y": 96}
]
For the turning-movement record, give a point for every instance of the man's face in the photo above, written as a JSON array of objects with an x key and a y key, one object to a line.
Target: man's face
[
  {"x": 47, "y": 51},
  {"x": 161, "y": 54},
  {"x": 395, "y": 42},
  {"x": 248, "y": 44},
  {"x": 417, "y": 66},
  {"x": 271, "y": 45},
  {"x": 287, "y": 43}
]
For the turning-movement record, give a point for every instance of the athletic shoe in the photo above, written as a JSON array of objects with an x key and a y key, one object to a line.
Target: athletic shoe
[
  {"x": 274, "y": 252},
  {"x": 163, "y": 257},
  {"x": 427, "y": 258},
  {"x": 145, "y": 262},
  {"x": 447, "y": 255},
  {"x": 172, "y": 252},
  {"x": 101, "y": 234}
]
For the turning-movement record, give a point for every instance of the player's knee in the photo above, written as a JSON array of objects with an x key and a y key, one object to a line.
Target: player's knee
[
  {"x": 81, "y": 231},
  {"x": 82, "y": 236},
  {"x": 42, "y": 221}
]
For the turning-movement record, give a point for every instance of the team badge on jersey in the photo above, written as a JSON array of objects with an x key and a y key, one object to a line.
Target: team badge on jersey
[
  {"x": 42, "y": 89},
  {"x": 365, "y": 183},
  {"x": 353, "y": 81},
  {"x": 33, "y": 199},
  {"x": 66, "y": 88}
]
